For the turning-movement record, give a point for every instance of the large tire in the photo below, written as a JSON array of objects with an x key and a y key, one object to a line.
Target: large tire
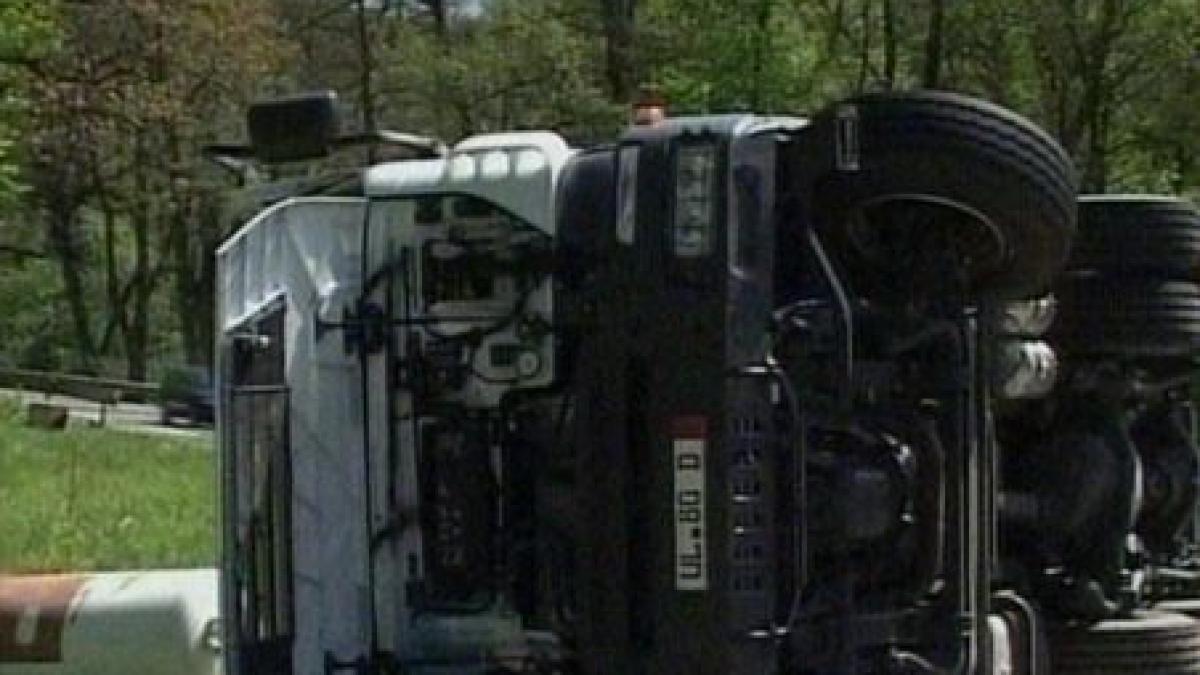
[
  {"x": 940, "y": 171},
  {"x": 1148, "y": 643},
  {"x": 1126, "y": 317},
  {"x": 1137, "y": 235},
  {"x": 1188, "y": 606}
]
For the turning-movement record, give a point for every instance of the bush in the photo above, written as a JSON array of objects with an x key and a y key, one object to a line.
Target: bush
[
  {"x": 10, "y": 410},
  {"x": 176, "y": 382}
]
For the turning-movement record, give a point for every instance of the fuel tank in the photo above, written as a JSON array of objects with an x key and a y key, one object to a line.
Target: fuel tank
[{"x": 146, "y": 622}]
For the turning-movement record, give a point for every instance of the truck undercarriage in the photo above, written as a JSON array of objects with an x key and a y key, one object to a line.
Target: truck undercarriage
[{"x": 734, "y": 394}]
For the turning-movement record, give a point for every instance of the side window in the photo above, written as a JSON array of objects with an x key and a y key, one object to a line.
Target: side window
[{"x": 259, "y": 453}]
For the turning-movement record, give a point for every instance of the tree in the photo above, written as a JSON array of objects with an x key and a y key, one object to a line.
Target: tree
[
  {"x": 714, "y": 56},
  {"x": 619, "y": 42},
  {"x": 27, "y": 32},
  {"x": 123, "y": 110},
  {"x": 522, "y": 64},
  {"x": 932, "y": 72},
  {"x": 1097, "y": 67}
]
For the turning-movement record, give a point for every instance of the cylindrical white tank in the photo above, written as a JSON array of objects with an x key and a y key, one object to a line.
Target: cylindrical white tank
[{"x": 146, "y": 622}]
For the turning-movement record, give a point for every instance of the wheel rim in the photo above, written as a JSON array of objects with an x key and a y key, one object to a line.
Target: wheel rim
[{"x": 899, "y": 231}]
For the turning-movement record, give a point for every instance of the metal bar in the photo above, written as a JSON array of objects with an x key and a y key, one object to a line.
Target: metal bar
[
  {"x": 93, "y": 388},
  {"x": 257, "y": 389},
  {"x": 846, "y": 312}
]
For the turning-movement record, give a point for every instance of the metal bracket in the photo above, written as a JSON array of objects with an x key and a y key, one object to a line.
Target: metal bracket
[{"x": 363, "y": 332}]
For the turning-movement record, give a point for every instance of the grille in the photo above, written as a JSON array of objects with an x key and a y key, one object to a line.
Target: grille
[{"x": 749, "y": 539}]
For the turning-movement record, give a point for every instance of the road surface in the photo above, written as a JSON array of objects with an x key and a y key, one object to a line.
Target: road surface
[{"x": 138, "y": 417}]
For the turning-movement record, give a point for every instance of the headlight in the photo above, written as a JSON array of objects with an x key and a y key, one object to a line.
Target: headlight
[
  {"x": 1025, "y": 369},
  {"x": 695, "y": 193},
  {"x": 1028, "y": 318}
]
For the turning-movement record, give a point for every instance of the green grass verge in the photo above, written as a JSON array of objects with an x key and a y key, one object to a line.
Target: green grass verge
[{"x": 96, "y": 499}]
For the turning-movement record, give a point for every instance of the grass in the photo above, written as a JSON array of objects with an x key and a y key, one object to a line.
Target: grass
[{"x": 97, "y": 499}]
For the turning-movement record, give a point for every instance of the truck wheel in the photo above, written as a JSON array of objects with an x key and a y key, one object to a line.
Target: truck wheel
[
  {"x": 1127, "y": 317},
  {"x": 1148, "y": 643},
  {"x": 1137, "y": 235},
  {"x": 922, "y": 173},
  {"x": 1188, "y": 606}
]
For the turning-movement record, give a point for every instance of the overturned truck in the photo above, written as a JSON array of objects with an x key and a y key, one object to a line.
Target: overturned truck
[{"x": 733, "y": 394}]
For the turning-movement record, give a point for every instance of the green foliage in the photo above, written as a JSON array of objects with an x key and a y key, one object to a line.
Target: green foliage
[
  {"x": 176, "y": 382},
  {"x": 26, "y": 29},
  {"x": 27, "y": 33},
  {"x": 32, "y": 334},
  {"x": 519, "y": 66},
  {"x": 91, "y": 499},
  {"x": 10, "y": 411},
  {"x": 715, "y": 56}
]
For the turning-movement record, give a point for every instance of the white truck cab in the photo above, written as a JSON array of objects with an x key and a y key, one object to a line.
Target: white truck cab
[{"x": 360, "y": 336}]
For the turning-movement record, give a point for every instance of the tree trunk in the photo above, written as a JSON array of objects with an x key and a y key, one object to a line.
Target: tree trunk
[
  {"x": 193, "y": 299},
  {"x": 193, "y": 290},
  {"x": 112, "y": 276},
  {"x": 137, "y": 327},
  {"x": 1095, "y": 170},
  {"x": 179, "y": 242},
  {"x": 68, "y": 250},
  {"x": 210, "y": 221},
  {"x": 890, "y": 47},
  {"x": 620, "y": 64},
  {"x": 137, "y": 337},
  {"x": 762, "y": 51},
  {"x": 440, "y": 18},
  {"x": 931, "y": 78},
  {"x": 57, "y": 179},
  {"x": 1095, "y": 55},
  {"x": 366, "y": 66},
  {"x": 864, "y": 63}
]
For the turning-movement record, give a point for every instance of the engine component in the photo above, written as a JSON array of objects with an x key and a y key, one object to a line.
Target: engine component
[
  {"x": 866, "y": 480},
  {"x": 1027, "y": 318},
  {"x": 458, "y": 516},
  {"x": 1081, "y": 533},
  {"x": 1171, "y": 466},
  {"x": 1024, "y": 369},
  {"x": 453, "y": 273}
]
